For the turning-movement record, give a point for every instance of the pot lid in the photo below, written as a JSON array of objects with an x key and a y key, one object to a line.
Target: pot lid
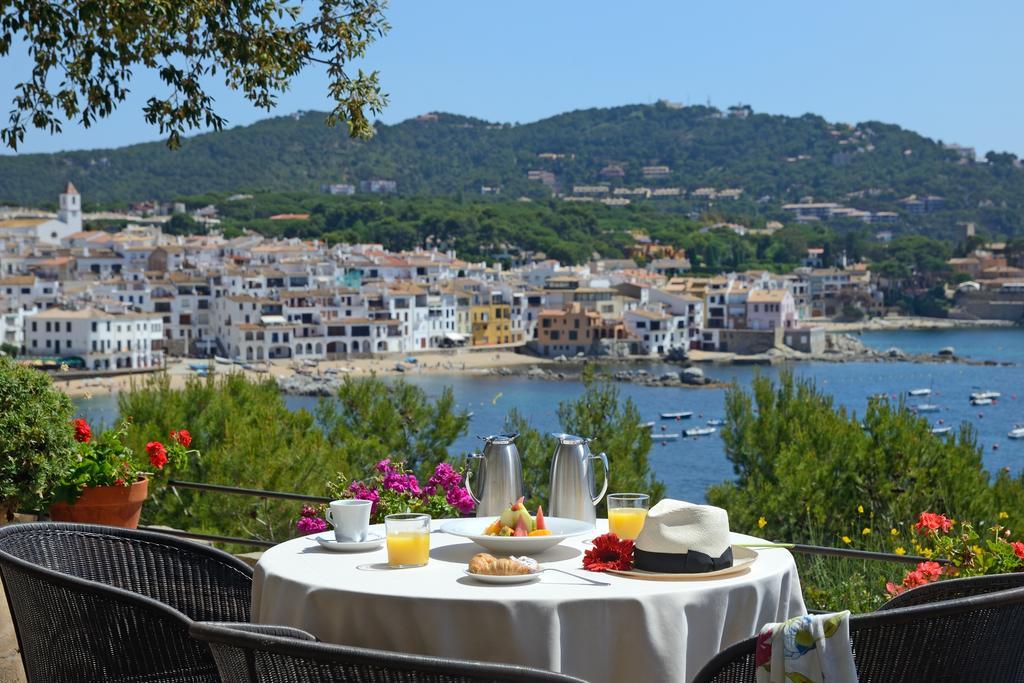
[
  {"x": 499, "y": 439},
  {"x": 570, "y": 439}
]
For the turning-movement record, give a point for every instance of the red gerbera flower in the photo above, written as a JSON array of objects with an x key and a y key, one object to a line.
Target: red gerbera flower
[
  {"x": 157, "y": 454},
  {"x": 183, "y": 437},
  {"x": 83, "y": 432},
  {"x": 609, "y": 552}
]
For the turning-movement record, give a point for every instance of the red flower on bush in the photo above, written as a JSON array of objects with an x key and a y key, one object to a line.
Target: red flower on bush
[
  {"x": 183, "y": 437},
  {"x": 926, "y": 572},
  {"x": 83, "y": 432},
  {"x": 609, "y": 552},
  {"x": 1018, "y": 549},
  {"x": 932, "y": 521},
  {"x": 157, "y": 454}
]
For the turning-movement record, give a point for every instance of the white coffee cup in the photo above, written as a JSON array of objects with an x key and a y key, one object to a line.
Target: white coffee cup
[{"x": 350, "y": 519}]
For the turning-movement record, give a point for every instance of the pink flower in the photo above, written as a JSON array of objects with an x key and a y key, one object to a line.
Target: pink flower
[
  {"x": 384, "y": 466},
  {"x": 460, "y": 499},
  {"x": 444, "y": 476},
  {"x": 310, "y": 525}
]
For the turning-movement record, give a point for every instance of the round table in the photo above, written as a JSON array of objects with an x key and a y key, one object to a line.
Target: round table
[{"x": 632, "y": 629}]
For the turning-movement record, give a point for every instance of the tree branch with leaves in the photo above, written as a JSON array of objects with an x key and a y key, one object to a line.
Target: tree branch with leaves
[{"x": 84, "y": 55}]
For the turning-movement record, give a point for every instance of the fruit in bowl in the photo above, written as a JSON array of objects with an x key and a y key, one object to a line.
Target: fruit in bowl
[{"x": 516, "y": 520}]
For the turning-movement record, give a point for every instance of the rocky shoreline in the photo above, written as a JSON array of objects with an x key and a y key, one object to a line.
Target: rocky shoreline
[{"x": 840, "y": 348}]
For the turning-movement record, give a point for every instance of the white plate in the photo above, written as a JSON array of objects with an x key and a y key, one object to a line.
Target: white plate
[
  {"x": 512, "y": 578},
  {"x": 327, "y": 540},
  {"x": 742, "y": 558},
  {"x": 473, "y": 529}
]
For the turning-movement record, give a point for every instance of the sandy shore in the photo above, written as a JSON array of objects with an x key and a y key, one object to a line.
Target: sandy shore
[{"x": 427, "y": 363}]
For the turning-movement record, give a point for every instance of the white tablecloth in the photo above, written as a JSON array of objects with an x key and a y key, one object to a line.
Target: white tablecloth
[{"x": 632, "y": 630}]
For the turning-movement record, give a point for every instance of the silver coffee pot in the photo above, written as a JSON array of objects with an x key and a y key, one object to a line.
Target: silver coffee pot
[
  {"x": 572, "y": 479},
  {"x": 501, "y": 475}
]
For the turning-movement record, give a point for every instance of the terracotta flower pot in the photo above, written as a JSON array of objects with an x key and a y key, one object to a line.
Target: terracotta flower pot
[{"x": 107, "y": 505}]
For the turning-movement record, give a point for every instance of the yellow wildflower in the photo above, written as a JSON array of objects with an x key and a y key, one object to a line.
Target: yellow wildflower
[
  {"x": 900, "y": 551},
  {"x": 978, "y": 552},
  {"x": 1003, "y": 515},
  {"x": 860, "y": 509},
  {"x": 865, "y": 531},
  {"x": 893, "y": 532},
  {"x": 846, "y": 540},
  {"x": 927, "y": 552},
  {"x": 762, "y": 522}
]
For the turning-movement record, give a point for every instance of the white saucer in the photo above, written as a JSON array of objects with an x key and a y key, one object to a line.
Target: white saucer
[
  {"x": 512, "y": 578},
  {"x": 327, "y": 540}
]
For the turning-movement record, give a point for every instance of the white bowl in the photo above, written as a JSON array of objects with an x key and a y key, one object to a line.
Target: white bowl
[{"x": 473, "y": 529}]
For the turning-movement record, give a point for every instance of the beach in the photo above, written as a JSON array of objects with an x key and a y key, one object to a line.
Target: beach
[{"x": 447, "y": 362}]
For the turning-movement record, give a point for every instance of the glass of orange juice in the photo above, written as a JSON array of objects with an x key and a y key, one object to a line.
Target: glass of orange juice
[
  {"x": 408, "y": 539},
  {"x": 626, "y": 514}
]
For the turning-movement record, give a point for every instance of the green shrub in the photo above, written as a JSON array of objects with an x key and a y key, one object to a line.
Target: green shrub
[{"x": 37, "y": 445}]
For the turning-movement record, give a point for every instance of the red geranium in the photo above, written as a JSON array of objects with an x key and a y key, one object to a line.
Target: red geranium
[
  {"x": 1018, "y": 549},
  {"x": 157, "y": 454},
  {"x": 83, "y": 432},
  {"x": 609, "y": 552},
  {"x": 932, "y": 521},
  {"x": 183, "y": 437}
]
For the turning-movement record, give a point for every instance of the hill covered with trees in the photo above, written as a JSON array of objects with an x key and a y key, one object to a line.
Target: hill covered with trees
[{"x": 772, "y": 159}]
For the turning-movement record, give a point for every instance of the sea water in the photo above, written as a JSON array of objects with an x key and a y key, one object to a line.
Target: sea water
[{"x": 689, "y": 466}]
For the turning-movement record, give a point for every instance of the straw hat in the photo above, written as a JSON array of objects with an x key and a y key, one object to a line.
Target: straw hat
[{"x": 683, "y": 538}]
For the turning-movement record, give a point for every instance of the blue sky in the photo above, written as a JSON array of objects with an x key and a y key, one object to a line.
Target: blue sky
[{"x": 948, "y": 70}]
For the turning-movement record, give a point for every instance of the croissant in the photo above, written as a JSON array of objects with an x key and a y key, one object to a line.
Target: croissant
[{"x": 483, "y": 563}]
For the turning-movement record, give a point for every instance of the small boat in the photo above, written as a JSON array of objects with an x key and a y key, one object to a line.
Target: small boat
[
  {"x": 926, "y": 408},
  {"x": 985, "y": 394},
  {"x": 664, "y": 437},
  {"x": 648, "y": 425},
  {"x": 681, "y": 415},
  {"x": 222, "y": 361},
  {"x": 981, "y": 401},
  {"x": 715, "y": 422},
  {"x": 700, "y": 431},
  {"x": 470, "y": 414},
  {"x": 941, "y": 430},
  {"x": 1016, "y": 433},
  {"x": 919, "y": 392},
  {"x": 399, "y": 367},
  {"x": 201, "y": 368}
]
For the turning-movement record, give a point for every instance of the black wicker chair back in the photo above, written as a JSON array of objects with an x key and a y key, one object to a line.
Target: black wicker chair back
[
  {"x": 271, "y": 654},
  {"x": 93, "y": 603},
  {"x": 978, "y": 638}
]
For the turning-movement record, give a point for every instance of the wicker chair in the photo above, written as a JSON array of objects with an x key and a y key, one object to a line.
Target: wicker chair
[
  {"x": 953, "y": 589},
  {"x": 93, "y": 603},
  {"x": 246, "y": 653},
  {"x": 978, "y": 638}
]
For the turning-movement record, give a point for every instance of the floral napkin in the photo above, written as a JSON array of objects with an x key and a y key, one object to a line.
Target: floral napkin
[{"x": 809, "y": 649}]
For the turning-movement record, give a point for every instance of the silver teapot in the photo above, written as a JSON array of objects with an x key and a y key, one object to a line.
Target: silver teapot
[
  {"x": 501, "y": 475},
  {"x": 572, "y": 479}
]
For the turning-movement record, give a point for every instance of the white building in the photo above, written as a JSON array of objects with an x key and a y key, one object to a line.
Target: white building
[{"x": 105, "y": 340}]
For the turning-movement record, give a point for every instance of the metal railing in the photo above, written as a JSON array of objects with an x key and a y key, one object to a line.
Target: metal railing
[
  {"x": 234, "y": 490},
  {"x": 799, "y": 548}
]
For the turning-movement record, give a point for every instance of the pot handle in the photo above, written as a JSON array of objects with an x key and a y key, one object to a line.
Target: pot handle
[
  {"x": 469, "y": 471},
  {"x": 604, "y": 459}
]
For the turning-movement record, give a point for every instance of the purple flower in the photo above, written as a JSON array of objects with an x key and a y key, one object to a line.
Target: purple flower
[
  {"x": 445, "y": 476},
  {"x": 401, "y": 483},
  {"x": 308, "y": 511},
  {"x": 310, "y": 525},
  {"x": 384, "y": 466},
  {"x": 460, "y": 499}
]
